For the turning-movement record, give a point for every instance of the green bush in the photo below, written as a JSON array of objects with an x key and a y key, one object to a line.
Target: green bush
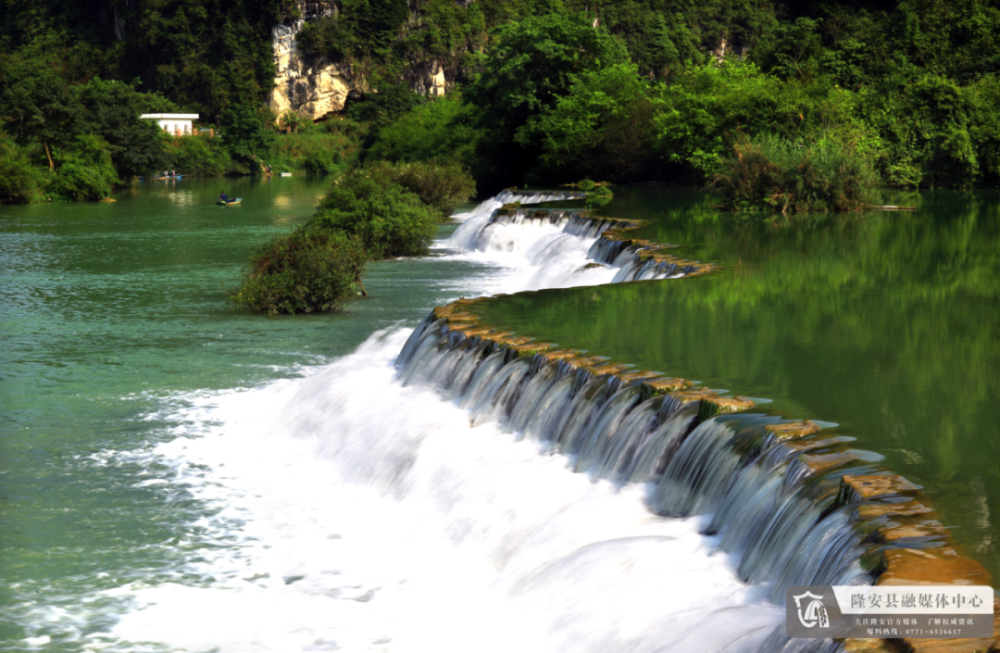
[
  {"x": 441, "y": 130},
  {"x": 597, "y": 194},
  {"x": 85, "y": 171},
  {"x": 199, "y": 156},
  {"x": 443, "y": 187},
  {"x": 302, "y": 272},
  {"x": 313, "y": 150},
  {"x": 20, "y": 181},
  {"x": 774, "y": 174},
  {"x": 389, "y": 219}
]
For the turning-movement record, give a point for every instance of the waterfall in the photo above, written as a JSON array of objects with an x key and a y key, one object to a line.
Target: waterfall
[
  {"x": 770, "y": 509},
  {"x": 418, "y": 493},
  {"x": 562, "y": 244},
  {"x": 788, "y": 504}
]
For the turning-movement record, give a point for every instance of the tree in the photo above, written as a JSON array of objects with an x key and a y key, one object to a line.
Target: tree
[
  {"x": 531, "y": 64},
  {"x": 38, "y": 105},
  {"x": 246, "y": 130},
  {"x": 601, "y": 128},
  {"x": 389, "y": 219},
  {"x": 112, "y": 109}
]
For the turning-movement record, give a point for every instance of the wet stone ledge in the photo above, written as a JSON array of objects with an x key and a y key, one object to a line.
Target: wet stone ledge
[{"x": 892, "y": 519}]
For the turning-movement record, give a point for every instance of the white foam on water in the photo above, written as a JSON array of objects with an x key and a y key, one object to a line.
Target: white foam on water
[
  {"x": 345, "y": 512},
  {"x": 530, "y": 255},
  {"x": 341, "y": 511}
]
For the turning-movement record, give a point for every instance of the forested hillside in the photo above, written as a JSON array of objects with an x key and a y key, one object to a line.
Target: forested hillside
[{"x": 541, "y": 91}]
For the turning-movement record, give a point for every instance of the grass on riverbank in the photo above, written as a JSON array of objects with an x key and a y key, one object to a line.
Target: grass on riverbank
[{"x": 771, "y": 173}]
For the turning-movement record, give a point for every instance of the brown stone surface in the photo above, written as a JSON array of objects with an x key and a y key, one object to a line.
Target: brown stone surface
[
  {"x": 870, "y": 487},
  {"x": 960, "y": 645},
  {"x": 585, "y": 361},
  {"x": 632, "y": 377},
  {"x": 868, "y": 646},
  {"x": 461, "y": 318},
  {"x": 663, "y": 386},
  {"x": 724, "y": 405},
  {"x": 792, "y": 430},
  {"x": 820, "y": 463},
  {"x": 607, "y": 368},
  {"x": 904, "y": 509},
  {"x": 697, "y": 394},
  {"x": 472, "y": 330},
  {"x": 930, "y": 528},
  {"x": 939, "y": 566},
  {"x": 560, "y": 355},
  {"x": 531, "y": 348}
]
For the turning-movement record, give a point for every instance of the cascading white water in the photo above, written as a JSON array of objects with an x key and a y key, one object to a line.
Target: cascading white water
[
  {"x": 358, "y": 514},
  {"x": 345, "y": 510}
]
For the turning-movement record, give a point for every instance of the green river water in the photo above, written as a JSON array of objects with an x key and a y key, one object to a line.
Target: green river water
[
  {"x": 883, "y": 322},
  {"x": 112, "y": 311}
]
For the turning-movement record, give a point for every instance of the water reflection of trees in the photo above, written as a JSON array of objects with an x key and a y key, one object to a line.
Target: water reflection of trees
[{"x": 884, "y": 322}]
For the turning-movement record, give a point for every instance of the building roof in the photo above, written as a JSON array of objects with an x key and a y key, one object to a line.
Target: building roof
[{"x": 171, "y": 116}]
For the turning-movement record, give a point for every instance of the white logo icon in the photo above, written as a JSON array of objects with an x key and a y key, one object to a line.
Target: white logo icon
[{"x": 814, "y": 613}]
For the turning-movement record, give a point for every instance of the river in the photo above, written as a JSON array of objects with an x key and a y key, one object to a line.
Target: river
[{"x": 179, "y": 475}]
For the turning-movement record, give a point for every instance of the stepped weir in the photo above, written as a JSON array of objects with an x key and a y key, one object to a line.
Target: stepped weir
[{"x": 791, "y": 502}]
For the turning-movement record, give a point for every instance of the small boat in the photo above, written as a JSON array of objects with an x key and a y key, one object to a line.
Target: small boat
[
  {"x": 230, "y": 202},
  {"x": 284, "y": 174}
]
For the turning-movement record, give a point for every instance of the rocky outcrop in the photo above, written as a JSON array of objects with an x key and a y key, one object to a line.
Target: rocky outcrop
[
  {"x": 310, "y": 88},
  {"x": 313, "y": 87}
]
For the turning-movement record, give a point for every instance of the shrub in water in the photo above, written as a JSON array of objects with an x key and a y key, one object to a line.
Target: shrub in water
[
  {"x": 774, "y": 174},
  {"x": 389, "y": 219},
  {"x": 302, "y": 272},
  {"x": 442, "y": 187}
]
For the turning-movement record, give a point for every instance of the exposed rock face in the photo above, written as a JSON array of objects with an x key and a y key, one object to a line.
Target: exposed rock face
[
  {"x": 313, "y": 86},
  {"x": 310, "y": 89}
]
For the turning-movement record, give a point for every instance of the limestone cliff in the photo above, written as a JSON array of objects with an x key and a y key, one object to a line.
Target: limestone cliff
[{"x": 314, "y": 86}]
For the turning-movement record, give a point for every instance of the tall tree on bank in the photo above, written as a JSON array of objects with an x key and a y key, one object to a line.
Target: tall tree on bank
[{"x": 531, "y": 65}]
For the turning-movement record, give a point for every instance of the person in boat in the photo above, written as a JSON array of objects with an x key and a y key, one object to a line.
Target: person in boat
[{"x": 224, "y": 197}]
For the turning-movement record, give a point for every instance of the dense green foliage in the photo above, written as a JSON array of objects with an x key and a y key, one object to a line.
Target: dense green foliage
[
  {"x": 361, "y": 27},
  {"x": 770, "y": 173},
  {"x": 533, "y": 64},
  {"x": 324, "y": 148},
  {"x": 389, "y": 219},
  {"x": 58, "y": 60},
  {"x": 440, "y": 186},
  {"x": 200, "y": 156},
  {"x": 550, "y": 90},
  {"x": 87, "y": 136},
  {"x": 439, "y": 130},
  {"x": 371, "y": 213},
  {"x": 305, "y": 271}
]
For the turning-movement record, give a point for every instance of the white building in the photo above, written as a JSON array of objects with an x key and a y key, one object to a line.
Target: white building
[{"x": 172, "y": 123}]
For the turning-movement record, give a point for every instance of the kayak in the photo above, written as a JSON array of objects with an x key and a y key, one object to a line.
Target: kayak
[
  {"x": 284, "y": 174},
  {"x": 230, "y": 202}
]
